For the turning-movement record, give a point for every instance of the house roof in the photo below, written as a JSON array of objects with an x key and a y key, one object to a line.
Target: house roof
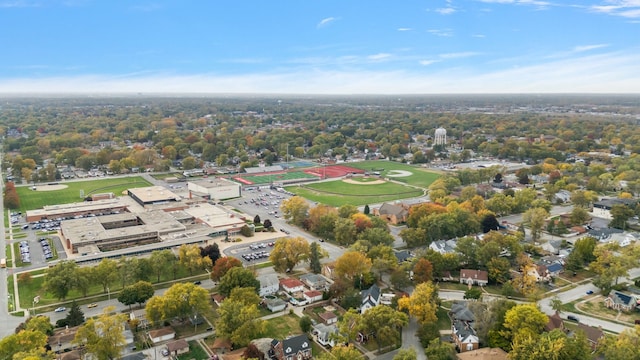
[
  {"x": 403, "y": 255},
  {"x": 474, "y": 274},
  {"x": 556, "y": 267},
  {"x": 177, "y": 345},
  {"x": 291, "y": 283},
  {"x": 312, "y": 278},
  {"x": 295, "y": 344},
  {"x": 221, "y": 343},
  {"x": 555, "y": 322},
  {"x": 372, "y": 292},
  {"x": 460, "y": 311},
  {"x": 593, "y": 334},
  {"x": 312, "y": 293},
  {"x": 621, "y": 298},
  {"x": 274, "y": 302},
  {"x": 268, "y": 280},
  {"x": 326, "y": 316},
  {"x": 392, "y": 209},
  {"x": 161, "y": 332}
]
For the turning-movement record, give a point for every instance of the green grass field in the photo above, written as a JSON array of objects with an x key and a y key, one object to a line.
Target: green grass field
[
  {"x": 338, "y": 193},
  {"x": 267, "y": 179},
  {"x": 419, "y": 177},
  {"x": 30, "y": 200}
]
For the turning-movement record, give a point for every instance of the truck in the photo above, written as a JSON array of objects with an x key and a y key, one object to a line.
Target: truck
[{"x": 3, "y": 263}]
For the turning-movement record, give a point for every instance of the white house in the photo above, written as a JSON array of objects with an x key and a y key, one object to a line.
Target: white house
[
  {"x": 312, "y": 296},
  {"x": 291, "y": 285},
  {"x": 269, "y": 284},
  {"x": 323, "y": 333},
  {"x": 370, "y": 298},
  {"x": 162, "y": 334}
]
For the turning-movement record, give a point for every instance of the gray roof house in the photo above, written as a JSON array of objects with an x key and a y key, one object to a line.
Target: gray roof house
[{"x": 370, "y": 298}]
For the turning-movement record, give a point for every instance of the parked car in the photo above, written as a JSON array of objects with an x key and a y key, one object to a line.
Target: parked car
[
  {"x": 589, "y": 292},
  {"x": 573, "y": 318},
  {"x": 92, "y": 305},
  {"x": 165, "y": 352},
  {"x": 61, "y": 309}
]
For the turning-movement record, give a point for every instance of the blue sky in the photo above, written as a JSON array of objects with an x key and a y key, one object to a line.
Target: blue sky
[{"x": 320, "y": 46}]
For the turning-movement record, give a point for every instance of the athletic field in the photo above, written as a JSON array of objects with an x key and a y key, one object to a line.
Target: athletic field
[
  {"x": 31, "y": 200},
  {"x": 338, "y": 192},
  {"x": 273, "y": 177},
  {"x": 408, "y": 174}
]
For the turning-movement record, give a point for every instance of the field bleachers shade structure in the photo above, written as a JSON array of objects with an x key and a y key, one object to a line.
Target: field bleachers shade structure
[{"x": 334, "y": 171}]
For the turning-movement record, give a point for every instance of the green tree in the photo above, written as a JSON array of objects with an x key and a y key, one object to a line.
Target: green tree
[
  {"x": 103, "y": 337},
  {"x": 288, "y": 252},
  {"x": 385, "y": 323},
  {"x": 622, "y": 347},
  {"x": 315, "y": 254},
  {"x": 181, "y": 300},
  {"x": 59, "y": 279},
  {"x": 105, "y": 272},
  {"x": 498, "y": 269},
  {"x": 345, "y": 211},
  {"x": 190, "y": 257},
  {"x": 137, "y": 293},
  {"x": 295, "y": 209},
  {"x": 438, "y": 350},
  {"x": 237, "y": 277},
  {"x": 579, "y": 216},
  {"x": 75, "y": 316},
  {"x": 620, "y": 214},
  {"x": 305, "y": 323},
  {"x": 366, "y": 210},
  {"x": 161, "y": 261},
  {"x": 473, "y": 293},
  {"x": 341, "y": 352},
  {"x": 345, "y": 232},
  {"x": 25, "y": 341},
  {"x": 535, "y": 217}
]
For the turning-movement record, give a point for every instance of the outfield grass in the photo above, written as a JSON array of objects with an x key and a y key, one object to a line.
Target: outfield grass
[
  {"x": 30, "y": 200},
  {"x": 338, "y": 193},
  {"x": 420, "y": 177}
]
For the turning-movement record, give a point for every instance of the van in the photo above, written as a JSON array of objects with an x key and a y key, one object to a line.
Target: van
[{"x": 3, "y": 263}]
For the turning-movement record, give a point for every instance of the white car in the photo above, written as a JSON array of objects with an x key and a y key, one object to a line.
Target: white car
[
  {"x": 61, "y": 309},
  {"x": 165, "y": 352}
]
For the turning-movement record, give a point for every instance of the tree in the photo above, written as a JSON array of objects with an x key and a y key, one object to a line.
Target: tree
[
  {"x": 579, "y": 216},
  {"x": 181, "y": 300},
  {"x": 366, "y": 210},
  {"x": 246, "y": 231},
  {"x": 341, "y": 352},
  {"x": 345, "y": 232},
  {"x": 239, "y": 317},
  {"x": 295, "y": 209},
  {"x": 376, "y": 236},
  {"x": 552, "y": 345},
  {"x": 288, "y": 252},
  {"x": 211, "y": 251},
  {"x": 267, "y": 224},
  {"x": 256, "y": 219},
  {"x": 620, "y": 214},
  {"x": 252, "y": 352},
  {"x": 473, "y": 293},
  {"x": 489, "y": 223},
  {"x": 189, "y": 257},
  {"x": 345, "y": 211},
  {"x": 524, "y": 321},
  {"x": 622, "y": 347},
  {"x": 103, "y": 337},
  {"x": 414, "y": 237},
  {"x": 305, "y": 323},
  {"x": 315, "y": 254},
  {"x": 137, "y": 293},
  {"x": 352, "y": 264},
  {"x": 237, "y": 277},
  {"x": 59, "y": 279},
  {"x": 222, "y": 265},
  {"x": 105, "y": 272},
  {"x": 556, "y": 303},
  {"x": 399, "y": 278},
  {"x": 423, "y": 303},
  {"x": 75, "y": 316},
  {"x": 422, "y": 271},
  {"x": 26, "y": 341},
  {"x": 385, "y": 323},
  {"x": 498, "y": 268},
  {"x": 161, "y": 261},
  {"x": 438, "y": 350},
  {"x": 535, "y": 217},
  {"x": 11, "y": 199}
]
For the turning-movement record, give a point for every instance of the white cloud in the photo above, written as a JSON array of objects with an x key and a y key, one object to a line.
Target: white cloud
[
  {"x": 325, "y": 22},
  {"x": 589, "y": 47},
  {"x": 441, "y": 32},
  {"x": 404, "y": 29},
  {"x": 19, "y": 4},
  {"x": 478, "y": 35},
  {"x": 458, "y": 55},
  {"x": 428, "y": 62},
  {"x": 446, "y": 11},
  {"x": 379, "y": 57}
]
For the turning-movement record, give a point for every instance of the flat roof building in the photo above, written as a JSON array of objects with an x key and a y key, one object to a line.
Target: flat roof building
[
  {"x": 153, "y": 195},
  {"x": 61, "y": 211},
  {"x": 214, "y": 188}
]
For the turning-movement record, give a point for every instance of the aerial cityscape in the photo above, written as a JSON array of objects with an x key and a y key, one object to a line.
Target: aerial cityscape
[{"x": 210, "y": 180}]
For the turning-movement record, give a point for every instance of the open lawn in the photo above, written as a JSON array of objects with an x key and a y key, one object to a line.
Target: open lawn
[
  {"x": 30, "y": 199},
  {"x": 418, "y": 177},
  {"x": 338, "y": 193},
  {"x": 282, "y": 327}
]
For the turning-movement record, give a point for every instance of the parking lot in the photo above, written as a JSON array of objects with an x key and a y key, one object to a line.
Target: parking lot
[{"x": 35, "y": 248}]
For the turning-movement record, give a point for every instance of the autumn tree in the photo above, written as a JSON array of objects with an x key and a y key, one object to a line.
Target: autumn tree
[
  {"x": 295, "y": 209},
  {"x": 345, "y": 232},
  {"x": 191, "y": 258},
  {"x": 385, "y": 323},
  {"x": 622, "y": 347},
  {"x": 161, "y": 262},
  {"x": 23, "y": 344},
  {"x": 552, "y": 345},
  {"x": 103, "y": 337},
  {"x": 341, "y": 352},
  {"x": 524, "y": 321},
  {"x": 288, "y": 252},
  {"x": 352, "y": 264},
  {"x": 252, "y": 352},
  {"x": 438, "y": 350},
  {"x": 535, "y": 217},
  {"x": 11, "y": 198},
  {"x": 315, "y": 254},
  {"x": 239, "y": 317},
  {"x": 222, "y": 265},
  {"x": 423, "y": 302},
  {"x": 237, "y": 277},
  {"x": 105, "y": 272},
  {"x": 406, "y": 354},
  {"x": 181, "y": 300},
  {"x": 422, "y": 271}
]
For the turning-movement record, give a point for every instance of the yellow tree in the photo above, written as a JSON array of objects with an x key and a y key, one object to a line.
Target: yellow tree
[
  {"x": 190, "y": 257},
  {"x": 103, "y": 337},
  {"x": 423, "y": 303},
  {"x": 288, "y": 252},
  {"x": 524, "y": 321},
  {"x": 352, "y": 264},
  {"x": 25, "y": 341},
  {"x": 295, "y": 209},
  {"x": 239, "y": 317},
  {"x": 526, "y": 281},
  {"x": 341, "y": 352}
]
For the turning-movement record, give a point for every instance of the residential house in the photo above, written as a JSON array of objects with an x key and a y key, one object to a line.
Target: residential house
[
  {"x": 291, "y": 285},
  {"x": 221, "y": 345},
  {"x": 61, "y": 339},
  {"x": 269, "y": 284},
  {"x": 314, "y": 281},
  {"x": 161, "y": 335},
  {"x": 552, "y": 246},
  {"x": 563, "y": 196},
  {"x": 555, "y": 269},
  {"x": 275, "y": 305},
  {"x": 464, "y": 336},
  {"x": 555, "y": 322},
  {"x": 370, "y": 298},
  {"x": 603, "y": 207},
  {"x": 392, "y": 213},
  {"x": 460, "y": 311},
  {"x": 444, "y": 246},
  {"x": 483, "y": 354},
  {"x": 620, "y": 301},
  {"x": 72, "y": 355},
  {"x": 474, "y": 277},
  {"x": 312, "y": 296},
  {"x": 323, "y": 334},
  {"x": 328, "y": 317},
  {"x": 217, "y": 299},
  {"x": 593, "y": 334},
  {"x": 403, "y": 256},
  {"x": 178, "y": 347},
  {"x": 293, "y": 348},
  {"x": 604, "y": 234},
  {"x": 140, "y": 316}
]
